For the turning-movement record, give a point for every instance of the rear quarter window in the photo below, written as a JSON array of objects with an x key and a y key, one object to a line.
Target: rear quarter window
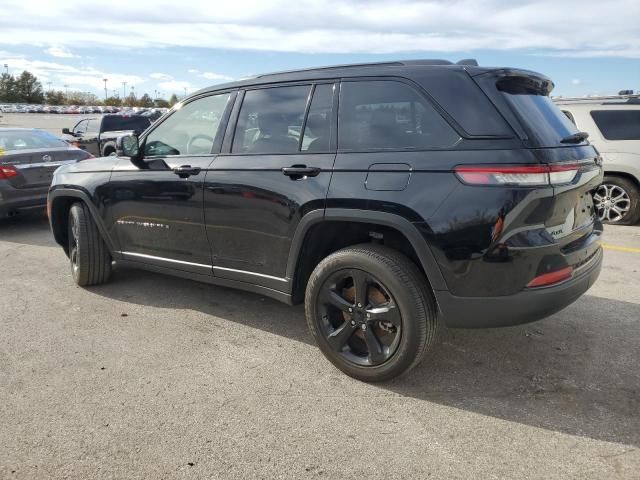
[
  {"x": 389, "y": 115},
  {"x": 618, "y": 124}
]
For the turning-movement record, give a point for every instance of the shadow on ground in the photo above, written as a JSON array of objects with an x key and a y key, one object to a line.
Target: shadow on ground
[
  {"x": 576, "y": 372},
  {"x": 27, "y": 229}
]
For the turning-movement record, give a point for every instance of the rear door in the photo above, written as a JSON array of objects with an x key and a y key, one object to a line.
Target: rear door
[{"x": 275, "y": 168}]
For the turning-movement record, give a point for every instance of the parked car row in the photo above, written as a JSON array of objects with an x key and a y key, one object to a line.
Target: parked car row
[{"x": 80, "y": 109}]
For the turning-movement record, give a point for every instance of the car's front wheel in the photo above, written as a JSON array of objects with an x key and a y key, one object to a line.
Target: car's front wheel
[
  {"x": 371, "y": 312},
  {"x": 88, "y": 254}
]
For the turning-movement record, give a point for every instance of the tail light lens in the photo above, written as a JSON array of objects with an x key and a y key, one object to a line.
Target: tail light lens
[
  {"x": 518, "y": 175},
  {"x": 551, "y": 277},
  {"x": 8, "y": 172}
]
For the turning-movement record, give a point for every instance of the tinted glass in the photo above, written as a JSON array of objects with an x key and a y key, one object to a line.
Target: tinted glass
[
  {"x": 191, "y": 130},
  {"x": 28, "y": 139},
  {"x": 112, "y": 123},
  {"x": 317, "y": 130},
  {"x": 543, "y": 121},
  {"x": 389, "y": 115},
  {"x": 270, "y": 120},
  {"x": 618, "y": 124}
]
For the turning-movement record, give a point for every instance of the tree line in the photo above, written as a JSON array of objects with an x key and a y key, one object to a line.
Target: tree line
[{"x": 26, "y": 88}]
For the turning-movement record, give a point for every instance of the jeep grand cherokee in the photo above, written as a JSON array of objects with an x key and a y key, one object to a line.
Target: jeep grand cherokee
[{"x": 392, "y": 198}]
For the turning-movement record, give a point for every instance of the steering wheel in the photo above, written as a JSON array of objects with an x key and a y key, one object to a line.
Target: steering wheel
[{"x": 200, "y": 136}]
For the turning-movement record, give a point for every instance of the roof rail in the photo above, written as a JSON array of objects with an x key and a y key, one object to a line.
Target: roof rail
[
  {"x": 611, "y": 99},
  {"x": 418, "y": 62}
]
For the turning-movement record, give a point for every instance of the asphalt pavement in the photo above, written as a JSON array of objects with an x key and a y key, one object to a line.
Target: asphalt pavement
[{"x": 154, "y": 377}]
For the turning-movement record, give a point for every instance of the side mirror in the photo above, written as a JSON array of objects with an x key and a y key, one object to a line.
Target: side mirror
[
  {"x": 127, "y": 146},
  {"x": 66, "y": 131}
]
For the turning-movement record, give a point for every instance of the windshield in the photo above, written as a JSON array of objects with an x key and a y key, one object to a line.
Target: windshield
[
  {"x": 543, "y": 121},
  {"x": 28, "y": 139}
]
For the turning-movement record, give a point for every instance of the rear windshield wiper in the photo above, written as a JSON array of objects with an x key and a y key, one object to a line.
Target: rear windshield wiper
[{"x": 575, "y": 137}]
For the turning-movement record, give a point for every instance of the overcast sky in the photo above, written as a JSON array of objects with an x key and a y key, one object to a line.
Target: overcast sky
[{"x": 586, "y": 46}]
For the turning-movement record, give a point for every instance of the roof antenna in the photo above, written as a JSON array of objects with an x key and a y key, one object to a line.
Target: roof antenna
[{"x": 468, "y": 61}]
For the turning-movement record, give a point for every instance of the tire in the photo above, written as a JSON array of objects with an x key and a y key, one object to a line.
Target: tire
[
  {"x": 402, "y": 293},
  {"x": 628, "y": 201},
  {"x": 108, "y": 150},
  {"x": 88, "y": 254}
]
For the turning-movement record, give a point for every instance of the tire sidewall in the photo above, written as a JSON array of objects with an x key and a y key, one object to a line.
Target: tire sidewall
[
  {"x": 77, "y": 217},
  {"x": 412, "y": 314}
]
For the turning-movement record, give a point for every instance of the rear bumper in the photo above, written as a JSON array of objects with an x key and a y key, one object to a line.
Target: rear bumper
[
  {"x": 14, "y": 200},
  {"x": 523, "y": 307}
]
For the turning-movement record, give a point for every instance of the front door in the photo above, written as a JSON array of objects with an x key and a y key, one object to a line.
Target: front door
[
  {"x": 156, "y": 206},
  {"x": 277, "y": 168}
]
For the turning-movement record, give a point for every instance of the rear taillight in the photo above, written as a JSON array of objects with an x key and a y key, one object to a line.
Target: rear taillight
[
  {"x": 518, "y": 175},
  {"x": 552, "y": 277},
  {"x": 8, "y": 172}
]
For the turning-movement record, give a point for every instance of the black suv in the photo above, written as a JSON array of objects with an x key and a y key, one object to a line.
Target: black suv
[{"x": 391, "y": 198}]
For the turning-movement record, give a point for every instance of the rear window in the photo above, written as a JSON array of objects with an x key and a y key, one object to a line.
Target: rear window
[
  {"x": 113, "y": 123},
  {"x": 618, "y": 124},
  {"x": 544, "y": 122},
  {"x": 29, "y": 139}
]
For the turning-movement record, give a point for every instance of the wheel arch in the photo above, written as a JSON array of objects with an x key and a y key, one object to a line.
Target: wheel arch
[
  {"x": 108, "y": 146},
  {"x": 626, "y": 175},
  {"x": 355, "y": 226},
  {"x": 60, "y": 202}
]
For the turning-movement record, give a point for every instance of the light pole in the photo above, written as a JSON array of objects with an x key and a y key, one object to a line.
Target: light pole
[
  {"x": 105, "y": 80},
  {"x": 185, "y": 91},
  {"x": 66, "y": 92},
  {"x": 6, "y": 68},
  {"x": 49, "y": 84},
  {"x": 124, "y": 89}
]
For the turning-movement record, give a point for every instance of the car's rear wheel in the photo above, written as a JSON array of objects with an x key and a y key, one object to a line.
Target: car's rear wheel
[
  {"x": 371, "y": 312},
  {"x": 89, "y": 257},
  {"x": 617, "y": 201}
]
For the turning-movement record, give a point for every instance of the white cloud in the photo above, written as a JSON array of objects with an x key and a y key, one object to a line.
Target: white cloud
[
  {"x": 576, "y": 81},
  {"x": 161, "y": 76},
  {"x": 60, "y": 52},
  {"x": 76, "y": 77},
  {"x": 339, "y": 26},
  {"x": 193, "y": 70},
  {"x": 215, "y": 76}
]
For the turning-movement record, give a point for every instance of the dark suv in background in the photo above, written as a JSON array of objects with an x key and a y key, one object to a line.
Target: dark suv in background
[{"x": 391, "y": 198}]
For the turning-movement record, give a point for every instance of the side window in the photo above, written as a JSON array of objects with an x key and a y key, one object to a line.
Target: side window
[
  {"x": 389, "y": 115},
  {"x": 270, "y": 120},
  {"x": 569, "y": 115},
  {"x": 317, "y": 130},
  {"x": 191, "y": 130},
  {"x": 618, "y": 124},
  {"x": 81, "y": 127},
  {"x": 92, "y": 125}
]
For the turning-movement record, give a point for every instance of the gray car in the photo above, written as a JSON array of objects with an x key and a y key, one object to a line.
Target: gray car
[{"x": 28, "y": 158}]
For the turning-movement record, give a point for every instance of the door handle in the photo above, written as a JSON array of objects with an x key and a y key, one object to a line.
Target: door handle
[
  {"x": 185, "y": 171},
  {"x": 297, "y": 172}
]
